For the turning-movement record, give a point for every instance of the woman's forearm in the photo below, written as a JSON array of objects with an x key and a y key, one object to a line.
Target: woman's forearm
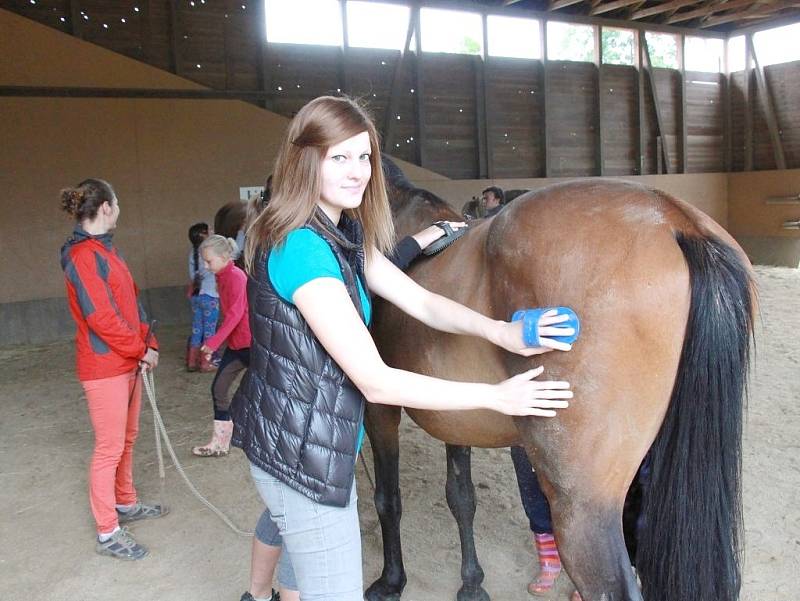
[
  {"x": 408, "y": 389},
  {"x": 446, "y": 315}
]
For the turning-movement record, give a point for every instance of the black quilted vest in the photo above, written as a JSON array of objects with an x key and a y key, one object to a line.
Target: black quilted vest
[{"x": 296, "y": 415}]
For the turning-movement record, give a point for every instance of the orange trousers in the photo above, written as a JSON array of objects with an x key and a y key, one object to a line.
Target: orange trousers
[{"x": 114, "y": 407}]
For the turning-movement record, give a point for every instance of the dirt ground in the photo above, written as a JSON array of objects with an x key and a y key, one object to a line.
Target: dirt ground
[{"x": 46, "y": 531}]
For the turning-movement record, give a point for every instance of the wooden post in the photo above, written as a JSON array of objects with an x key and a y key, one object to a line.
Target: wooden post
[
  {"x": 145, "y": 34},
  {"x": 228, "y": 59},
  {"x": 75, "y": 18},
  {"x": 654, "y": 90},
  {"x": 727, "y": 131},
  {"x": 548, "y": 170},
  {"x": 174, "y": 31},
  {"x": 598, "y": 61},
  {"x": 481, "y": 127},
  {"x": 748, "y": 108},
  {"x": 640, "y": 101},
  {"x": 422, "y": 137},
  {"x": 394, "y": 92},
  {"x": 262, "y": 56},
  {"x": 344, "y": 83},
  {"x": 684, "y": 105},
  {"x": 769, "y": 107}
]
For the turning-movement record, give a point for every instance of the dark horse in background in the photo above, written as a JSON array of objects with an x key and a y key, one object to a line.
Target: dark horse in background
[{"x": 666, "y": 299}]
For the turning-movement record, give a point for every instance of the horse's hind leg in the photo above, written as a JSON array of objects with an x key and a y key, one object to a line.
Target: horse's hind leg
[
  {"x": 382, "y": 422},
  {"x": 592, "y": 546},
  {"x": 461, "y": 499}
]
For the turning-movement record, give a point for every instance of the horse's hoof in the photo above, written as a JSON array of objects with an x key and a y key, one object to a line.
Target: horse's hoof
[
  {"x": 380, "y": 591},
  {"x": 472, "y": 593}
]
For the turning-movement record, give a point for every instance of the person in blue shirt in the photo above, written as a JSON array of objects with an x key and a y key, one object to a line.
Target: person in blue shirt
[
  {"x": 204, "y": 299},
  {"x": 315, "y": 254}
]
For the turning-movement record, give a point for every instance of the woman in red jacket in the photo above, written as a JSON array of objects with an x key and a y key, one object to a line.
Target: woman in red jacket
[
  {"x": 110, "y": 346},
  {"x": 218, "y": 253}
]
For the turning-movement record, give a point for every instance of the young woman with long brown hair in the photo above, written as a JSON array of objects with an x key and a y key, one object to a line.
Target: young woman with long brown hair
[{"x": 313, "y": 254}]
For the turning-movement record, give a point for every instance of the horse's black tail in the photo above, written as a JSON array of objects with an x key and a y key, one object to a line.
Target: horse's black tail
[{"x": 689, "y": 543}]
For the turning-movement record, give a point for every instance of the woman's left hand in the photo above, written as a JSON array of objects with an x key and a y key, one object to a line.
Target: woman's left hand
[
  {"x": 432, "y": 233},
  {"x": 508, "y": 335}
]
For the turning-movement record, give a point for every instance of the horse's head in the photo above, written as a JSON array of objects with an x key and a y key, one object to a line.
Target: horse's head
[
  {"x": 230, "y": 219},
  {"x": 412, "y": 208}
]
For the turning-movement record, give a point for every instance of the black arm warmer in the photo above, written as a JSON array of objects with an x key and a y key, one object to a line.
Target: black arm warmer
[{"x": 405, "y": 252}]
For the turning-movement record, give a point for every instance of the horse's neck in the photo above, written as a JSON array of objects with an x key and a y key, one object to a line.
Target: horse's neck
[{"x": 416, "y": 214}]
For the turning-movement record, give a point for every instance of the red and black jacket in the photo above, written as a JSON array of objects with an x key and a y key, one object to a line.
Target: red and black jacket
[{"x": 103, "y": 299}]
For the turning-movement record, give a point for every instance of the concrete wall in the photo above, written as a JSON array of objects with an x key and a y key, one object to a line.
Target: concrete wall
[{"x": 172, "y": 163}]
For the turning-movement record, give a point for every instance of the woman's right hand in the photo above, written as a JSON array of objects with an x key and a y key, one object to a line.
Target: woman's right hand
[{"x": 523, "y": 395}]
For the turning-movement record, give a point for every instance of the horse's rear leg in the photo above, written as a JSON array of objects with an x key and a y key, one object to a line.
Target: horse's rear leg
[
  {"x": 592, "y": 547},
  {"x": 382, "y": 422},
  {"x": 461, "y": 499}
]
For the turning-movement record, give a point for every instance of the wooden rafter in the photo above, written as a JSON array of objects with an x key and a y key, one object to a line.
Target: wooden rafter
[
  {"x": 756, "y": 12},
  {"x": 662, "y": 8},
  {"x": 709, "y": 10},
  {"x": 599, "y": 8},
  {"x": 559, "y": 4}
]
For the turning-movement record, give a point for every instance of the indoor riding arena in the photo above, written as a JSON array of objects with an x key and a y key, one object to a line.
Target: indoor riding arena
[{"x": 183, "y": 106}]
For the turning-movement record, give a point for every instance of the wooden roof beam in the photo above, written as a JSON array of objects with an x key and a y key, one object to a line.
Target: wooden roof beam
[
  {"x": 559, "y": 4},
  {"x": 757, "y": 12},
  {"x": 600, "y": 8},
  {"x": 662, "y": 8},
  {"x": 710, "y": 10}
]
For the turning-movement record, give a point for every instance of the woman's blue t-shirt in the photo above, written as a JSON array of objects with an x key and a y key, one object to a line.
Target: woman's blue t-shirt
[{"x": 303, "y": 257}]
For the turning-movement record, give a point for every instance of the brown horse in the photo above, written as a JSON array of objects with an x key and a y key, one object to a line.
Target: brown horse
[
  {"x": 665, "y": 297},
  {"x": 230, "y": 218}
]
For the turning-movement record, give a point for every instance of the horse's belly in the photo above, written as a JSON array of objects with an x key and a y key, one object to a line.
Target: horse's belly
[{"x": 479, "y": 428}]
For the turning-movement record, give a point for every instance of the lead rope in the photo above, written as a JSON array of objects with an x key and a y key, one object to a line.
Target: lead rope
[
  {"x": 161, "y": 432},
  {"x": 158, "y": 425}
]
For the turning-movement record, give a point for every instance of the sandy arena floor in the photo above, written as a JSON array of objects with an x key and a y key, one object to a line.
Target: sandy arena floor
[{"x": 47, "y": 550}]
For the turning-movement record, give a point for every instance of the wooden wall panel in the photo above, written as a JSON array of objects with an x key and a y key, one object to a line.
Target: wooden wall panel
[
  {"x": 738, "y": 112},
  {"x": 620, "y": 122},
  {"x": 202, "y": 44},
  {"x": 106, "y": 28},
  {"x": 572, "y": 118},
  {"x": 449, "y": 89},
  {"x": 669, "y": 95},
  {"x": 705, "y": 122},
  {"x": 156, "y": 32},
  {"x": 764, "y": 157},
  {"x": 783, "y": 81},
  {"x": 244, "y": 36},
  {"x": 369, "y": 75},
  {"x": 514, "y": 108},
  {"x": 301, "y": 73},
  {"x": 229, "y": 49},
  {"x": 47, "y": 12}
]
